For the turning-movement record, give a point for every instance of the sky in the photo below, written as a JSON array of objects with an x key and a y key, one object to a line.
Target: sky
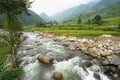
[{"x": 51, "y": 7}]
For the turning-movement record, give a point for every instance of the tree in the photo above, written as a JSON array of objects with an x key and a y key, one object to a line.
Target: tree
[
  {"x": 89, "y": 21},
  {"x": 79, "y": 20},
  {"x": 40, "y": 24},
  {"x": 97, "y": 19},
  {"x": 118, "y": 25},
  {"x": 55, "y": 22},
  {"x": 12, "y": 8}
]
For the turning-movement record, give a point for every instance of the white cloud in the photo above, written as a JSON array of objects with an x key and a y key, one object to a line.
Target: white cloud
[{"x": 51, "y": 7}]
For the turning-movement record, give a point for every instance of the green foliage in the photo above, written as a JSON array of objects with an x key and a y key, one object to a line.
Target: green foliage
[
  {"x": 89, "y": 21},
  {"x": 55, "y": 22},
  {"x": 119, "y": 26},
  {"x": 79, "y": 20},
  {"x": 30, "y": 20},
  {"x": 12, "y": 74},
  {"x": 14, "y": 6},
  {"x": 97, "y": 19},
  {"x": 40, "y": 24},
  {"x": 114, "y": 21},
  {"x": 4, "y": 50},
  {"x": 8, "y": 72},
  {"x": 79, "y": 30},
  {"x": 110, "y": 11}
]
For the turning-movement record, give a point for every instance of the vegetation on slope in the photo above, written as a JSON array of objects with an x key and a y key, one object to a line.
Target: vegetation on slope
[{"x": 30, "y": 19}]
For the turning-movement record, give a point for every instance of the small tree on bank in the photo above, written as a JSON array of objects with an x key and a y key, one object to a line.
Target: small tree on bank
[
  {"x": 79, "y": 20},
  {"x": 12, "y": 8},
  {"x": 118, "y": 25},
  {"x": 97, "y": 19}
]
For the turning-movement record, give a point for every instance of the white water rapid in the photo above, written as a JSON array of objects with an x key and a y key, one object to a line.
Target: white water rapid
[{"x": 65, "y": 61}]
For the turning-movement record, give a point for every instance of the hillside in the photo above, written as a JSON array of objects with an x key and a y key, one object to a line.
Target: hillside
[
  {"x": 45, "y": 17},
  {"x": 104, "y": 3},
  {"x": 115, "y": 20},
  {"x": 70, "y": 13},
  {"x": 86, "y": 10},
  {"x": 110, "y": 11},
  {"x": 25, "y": 19},
  {"x": 30, "y": 20}
]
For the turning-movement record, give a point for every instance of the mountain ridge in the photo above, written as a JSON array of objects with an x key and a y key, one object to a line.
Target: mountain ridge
[
  {"x": 90, "y": 8},
  {"x": 45, "y": 17},
  {"x": 31, "y": 19}
]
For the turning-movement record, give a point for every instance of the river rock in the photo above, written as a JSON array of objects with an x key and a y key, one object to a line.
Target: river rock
[
  {"x": 58, "y": 76},
  {"x": 93, "y": 52},
  {"x": 116, "y": 50},
  {"x": 72, "y": 47},
  {"x": 106, "y": 35},
  {"x": 113, "y": 69},
  {"x": 28, "y": 48},
  {"x": 115, "y": 60},
  {"x": 45, "y": 59},
  {"x": 22, "y": 38},
  {"x": 96, "y": 75},
  {"x": 80, "y": 46},
  {"x": 87, "y": 63}
]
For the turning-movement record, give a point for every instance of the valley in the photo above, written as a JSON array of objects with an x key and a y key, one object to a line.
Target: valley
[{"x": 79, "y": 43}]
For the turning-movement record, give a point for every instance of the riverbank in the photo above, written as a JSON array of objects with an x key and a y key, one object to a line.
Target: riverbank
[{"x": 105, "y": 48}]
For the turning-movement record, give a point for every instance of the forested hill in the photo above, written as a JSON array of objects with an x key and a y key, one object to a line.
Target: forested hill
[
  {"x": 31, "y": 19},
  {"x": 110, "y": 11},
  {"x": 106, "y": 8}
]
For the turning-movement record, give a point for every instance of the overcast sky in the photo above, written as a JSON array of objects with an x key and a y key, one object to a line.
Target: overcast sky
[{"x": 51, "y": 7}]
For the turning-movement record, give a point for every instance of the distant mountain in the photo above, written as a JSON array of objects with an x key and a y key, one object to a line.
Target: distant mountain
[
  {"x": 86, "y": 10},
  {"x": 69, "y": 13},
  {"x": 110, "y": 11},
  {"x": 30, "y": 20},
  {"x": 25, "y": 19},
  {"x": 45, "y": 17}
]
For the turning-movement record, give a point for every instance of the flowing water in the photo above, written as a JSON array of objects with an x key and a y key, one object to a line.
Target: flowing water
[{"x": 69, "y": 63}]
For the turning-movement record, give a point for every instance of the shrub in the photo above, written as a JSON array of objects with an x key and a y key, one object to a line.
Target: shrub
[
  {"x": 12, "y": 74},
  {"x": 119, "y": 26}
]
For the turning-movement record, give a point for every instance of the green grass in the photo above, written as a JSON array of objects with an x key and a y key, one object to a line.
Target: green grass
[
  {"x": 80, "y": 33},
  {"x": 4, "y": 50},
  {"x": 114, "y": 20},
  {"x": 81, "y": 30}
]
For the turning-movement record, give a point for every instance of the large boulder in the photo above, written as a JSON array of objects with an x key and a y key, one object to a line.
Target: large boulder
[
  {"x": 57, "y": 76},
  {"x": 45, "y": 59}
]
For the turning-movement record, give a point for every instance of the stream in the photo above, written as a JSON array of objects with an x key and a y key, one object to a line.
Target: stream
[{"x": 67, "y": 62}]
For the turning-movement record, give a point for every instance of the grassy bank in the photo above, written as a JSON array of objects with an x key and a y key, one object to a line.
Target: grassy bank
[
  {"x": 4, "y": 50},
  {"x": 81, "y": 30}
]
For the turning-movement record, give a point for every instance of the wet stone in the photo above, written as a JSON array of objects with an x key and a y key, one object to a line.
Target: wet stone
[
  {"x": 45, "y": 59},
  {"x": 58, "y": 76},
  {"x": 87, "y": 63},
  {"x": 97, "y": 76}
]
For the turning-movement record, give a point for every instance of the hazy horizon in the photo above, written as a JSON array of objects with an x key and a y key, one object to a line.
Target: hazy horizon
[{"x": 52, "y": 7}]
